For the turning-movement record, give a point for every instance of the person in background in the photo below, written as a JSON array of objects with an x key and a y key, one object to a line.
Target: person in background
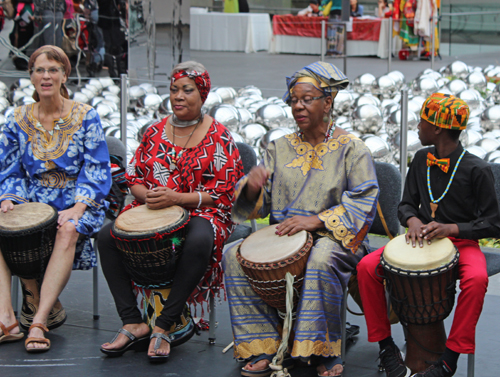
[
  {"x": 384, "y": 9},
  {"x": 356, "y": 9},
  {"x": 50, "y": 12},
  {"x": 312, "y": 9}
]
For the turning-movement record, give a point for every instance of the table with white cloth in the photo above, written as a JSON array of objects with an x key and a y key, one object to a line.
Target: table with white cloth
[
  {"x": 215, "y": 31},
  {"x": 302, "y": 35}
]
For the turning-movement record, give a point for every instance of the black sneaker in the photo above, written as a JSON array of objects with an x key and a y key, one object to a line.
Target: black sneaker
[
  {"x": 439, "y": 369},
  {"x": 392, "y": 362}
]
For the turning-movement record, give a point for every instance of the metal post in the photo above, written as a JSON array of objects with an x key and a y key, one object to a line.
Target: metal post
[
  {"x": 433, "y": 44},
  {"x": 389, "y": 57},
  {"x": 95, "y": 285},
  {"x": 403, "y": 142},
  {"x": 123, "y": 108},
  {"x": 345, "y": 48},
  {"x": 323, "y": 41},
  {"x": 470, "y": 365},
  {"x": 15, "y": 294},
  {"x": 212, "y": 321}
]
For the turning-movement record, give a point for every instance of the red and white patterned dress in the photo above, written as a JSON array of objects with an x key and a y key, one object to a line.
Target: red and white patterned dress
[{"x": 213, "y": 166}]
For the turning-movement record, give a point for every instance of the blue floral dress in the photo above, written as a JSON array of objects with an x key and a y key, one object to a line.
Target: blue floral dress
[{"x": 61, "y": 168}]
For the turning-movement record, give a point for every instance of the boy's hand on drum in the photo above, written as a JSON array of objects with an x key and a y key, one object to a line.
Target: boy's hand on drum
[
  {"x": 414, "y": 232},
  {"x": 297, "y": 223},
  {"x": 438, "y": 230},
  {"x": 257, "y": 178},
  {"x": 7, "y": 205},
  {"x": 161, "y": 197}
]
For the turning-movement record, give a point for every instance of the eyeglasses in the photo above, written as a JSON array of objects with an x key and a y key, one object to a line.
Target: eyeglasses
[
  {"x": 306, "y": 101},
  {"x": 41, "y": 71}
]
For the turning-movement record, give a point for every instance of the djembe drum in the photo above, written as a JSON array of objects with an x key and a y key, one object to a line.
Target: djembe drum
[
  {"x": 151, "y": 242},
  {"x": 421, "y": 284},
  {"x": 266, "y": 257},
  {"x": 27, "y": 236}
]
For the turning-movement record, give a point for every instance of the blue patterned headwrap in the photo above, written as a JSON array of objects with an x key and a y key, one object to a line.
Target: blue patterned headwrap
[{"x": 325, "y": 77}]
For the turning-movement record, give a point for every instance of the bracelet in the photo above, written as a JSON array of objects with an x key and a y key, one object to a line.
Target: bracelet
[{"x": 199, "y": 201}]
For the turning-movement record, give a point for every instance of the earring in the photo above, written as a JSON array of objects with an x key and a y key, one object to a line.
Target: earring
[{"x": 326, "y": 119}]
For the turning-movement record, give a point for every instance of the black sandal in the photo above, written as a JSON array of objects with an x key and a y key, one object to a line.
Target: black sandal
[
  {"x": 136, "y": 344},
  {"x": 159, "y": 337}
]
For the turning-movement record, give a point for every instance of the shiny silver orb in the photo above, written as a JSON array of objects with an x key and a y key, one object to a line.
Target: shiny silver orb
[
  {"x": 431, "y": 74},
  {"x": 425, "y": 86},
  {"x": 414, "y": 106},
  {"x": 20, "y": 84},
  {"x": 106, "y": 82},
  {"x": 165, "y": 106},
  {"x": 476, "y": 80},
  {"x": 227, "y": 94},
  {"x": 96, "y": 83},
  {"x": 366, "y": 99},
  {"x": 237, "y": 137},
  {"x": 3, "y": 120},
  {"x": 80, "y": 97},
  {"x": 458, "y": 69},
  {"x": 143, "y": 130},
  {"x": 254, "y": 106},
  {"x": 270, "y": 114},
  {"x": 249, "y": 90},
  {"x": 473, "y": 137},
  {"x": 393, "y": 123},
  {"x": 4, "y": 104},
  {"x": 442, "y": 82},
  {"x": 490, "y": 118},
  {"x": 367, "y": 119},
  {"x": 3, "y": 87},
  {"x": 148, "y": 87},
  {"x": 16, "y": 95},
  {"x": 494, "y": 134},
  {"x": 387, "y": 104},
  {"x": 226, "y": 114},
  {"x": 152, "y": 102},
  {"x": 135, "y": 92},
  {"x": 471, "y": 98},
  {"x": 245, "y": 115},
  {"x": 96, "y": 100},
  {"x": 496, "y": 93},
  {"x": 378, "y": 147},
  {"x": 343, "y": 102},
  {"x": 252, "y": 132},
  {"x": 213, "y": 99},
  {"x": 273, "y": 134},
  {"x": 398, "y": 77},
  {"x": 489, "y": 145},
  {"x": 456, "y": 86},
  {"x": 103, "y": 110},
  {"x": 93, "y": 89},
  {"x": 492, "y": 156},
  {"x": 363, "y": 83},
  {"x": 115, "y": 89},
  {"x": 384, "y": 86},
  {"x": 477, "y": 151},
  {"x": 111, "y": 97}
]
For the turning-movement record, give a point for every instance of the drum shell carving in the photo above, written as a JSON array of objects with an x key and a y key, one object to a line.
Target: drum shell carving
[
  {"x": 27, "y": 252},
  {"x": 268, "y": 279},
  {"x": 151, "y": 259},
  {"x": 422, "y": 297}
]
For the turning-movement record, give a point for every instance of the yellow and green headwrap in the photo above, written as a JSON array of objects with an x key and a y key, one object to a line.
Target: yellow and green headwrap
[
  {"x": 324, "y": 76},
  {"x": 445, "y": 111}
]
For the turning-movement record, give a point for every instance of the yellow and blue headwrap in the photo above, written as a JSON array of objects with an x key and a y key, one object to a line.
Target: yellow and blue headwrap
[{"x": 324, "y": 76}]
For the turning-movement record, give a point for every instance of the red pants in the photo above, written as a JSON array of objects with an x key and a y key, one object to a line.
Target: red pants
[{"x": 473, "y": 283}]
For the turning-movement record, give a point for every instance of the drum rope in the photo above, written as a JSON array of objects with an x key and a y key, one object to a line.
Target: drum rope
[{"x": 276, "y": 364}]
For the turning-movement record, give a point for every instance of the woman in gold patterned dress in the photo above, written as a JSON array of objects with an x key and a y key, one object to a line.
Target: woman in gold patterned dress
[
  {"x": 53, "y": 151},
  {"x": 320, "y": 179}
]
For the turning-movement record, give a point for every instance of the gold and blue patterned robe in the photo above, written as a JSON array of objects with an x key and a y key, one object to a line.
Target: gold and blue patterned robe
[
  {"x": 69, "y": 166},
  {"x": 335, "y": 180}
]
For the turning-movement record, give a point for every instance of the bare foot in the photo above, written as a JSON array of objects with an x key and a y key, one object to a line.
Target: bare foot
[
  {"x": 36, "y": 332},
  {"x": 139, "y": 330},
  {"x": 8, "y": 320},
  {"x": 258, "y": 366},
  {"x": 164, "y": 349},
  {"x": 335, "y": 371}
]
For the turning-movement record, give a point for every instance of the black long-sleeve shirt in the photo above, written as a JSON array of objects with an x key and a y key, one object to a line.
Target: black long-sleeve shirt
[{"x": 471, "y": 202}]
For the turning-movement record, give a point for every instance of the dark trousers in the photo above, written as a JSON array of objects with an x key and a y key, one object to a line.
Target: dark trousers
[{"x": 192, "y": 265}]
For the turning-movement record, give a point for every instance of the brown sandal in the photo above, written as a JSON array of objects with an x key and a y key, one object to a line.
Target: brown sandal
[
  {"x": 7, "y": 336},
  {"x": 37, "y": 340}
]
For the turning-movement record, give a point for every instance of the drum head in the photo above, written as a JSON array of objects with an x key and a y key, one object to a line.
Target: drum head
[
  {"x": 142, "y": 220},
  {"x": 399, "y": 254},
  {"x": 265, "y": 246},
  {"x": 26, "y": 216}
]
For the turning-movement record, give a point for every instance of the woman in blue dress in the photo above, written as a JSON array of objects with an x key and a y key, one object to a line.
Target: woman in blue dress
[{"x": 53, "y": 151}]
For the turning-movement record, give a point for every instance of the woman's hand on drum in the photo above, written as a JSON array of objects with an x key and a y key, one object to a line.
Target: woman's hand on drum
[
  {"x": 7, "y": 205},
  {"x": 438, "y": 230},
  {"x": 161, "y": 197},
  {"x": 74, "y": 213},
  {"x": 297, "y": 223},
  {"x": 257, "y": 178}
]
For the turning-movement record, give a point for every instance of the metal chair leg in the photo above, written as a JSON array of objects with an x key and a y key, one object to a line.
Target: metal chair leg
[
  {"x": 95, "y": 273},
  {"x": 470, "y": 365},
  {"x": 15, "y": 294},
  {"x": 343, "y": 314},
  {"x": 212, "y": 321}
]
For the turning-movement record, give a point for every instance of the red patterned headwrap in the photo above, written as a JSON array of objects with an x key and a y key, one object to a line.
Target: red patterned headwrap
[{"x": 202, "y": 81}]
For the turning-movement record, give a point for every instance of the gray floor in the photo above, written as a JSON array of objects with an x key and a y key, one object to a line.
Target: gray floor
[{"x": 75, "y": 346}]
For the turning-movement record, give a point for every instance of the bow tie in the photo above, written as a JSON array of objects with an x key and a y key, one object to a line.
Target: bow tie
[{"x": 443, "y": 163}]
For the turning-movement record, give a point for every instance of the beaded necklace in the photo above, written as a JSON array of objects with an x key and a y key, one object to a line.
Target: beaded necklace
[
  {"x": 434, "y": 203},
  {"x": 174, "y": 157},
  {"x": 328, "y": 134}
]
